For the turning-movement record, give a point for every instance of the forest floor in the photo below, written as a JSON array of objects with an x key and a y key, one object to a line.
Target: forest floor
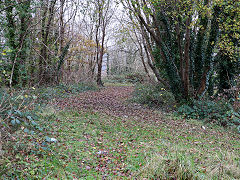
[{"x": 101, "y": 135}]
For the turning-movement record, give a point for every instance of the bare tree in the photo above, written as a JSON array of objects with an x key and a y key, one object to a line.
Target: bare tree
[
  {"x": 104, "y": 14},
  {"x": 46, "y": 22}
]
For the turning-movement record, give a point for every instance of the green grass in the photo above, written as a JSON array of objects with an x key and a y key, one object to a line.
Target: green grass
[
  {"x": 46, "y": 94},
  {"x": 92, "y": 146},
  {"x": 117, "y": 84}
]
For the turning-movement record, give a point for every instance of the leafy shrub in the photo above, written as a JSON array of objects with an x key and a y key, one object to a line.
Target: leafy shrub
[
  {"x": 126, "y": 78},
  {"x": 16, "y": 112},
  {"x": 220, "y": 112},
  {"x": 152, "y": 95},
  {"x": 20, "y": 133},
  {"x": 135, "y": 78},
  {"x": 18, "y": 108},
  {"x": 236, "y": 100},
  {"x": 48, "y": 93},
  {"x": 21, "y": 130},
  {"x": 115, "y": 79}
]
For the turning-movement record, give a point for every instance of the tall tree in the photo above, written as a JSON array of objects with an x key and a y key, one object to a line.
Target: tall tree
[
  {"x": 104, "y": 16},
  {"x": 185, "y": 34},
  {"x": 18, "y": 18},
  {"x": 47, "y": 16}
]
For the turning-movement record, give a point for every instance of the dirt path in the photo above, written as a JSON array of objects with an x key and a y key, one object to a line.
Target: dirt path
[
  {"x": 115, "y": 142},
  {"x": 110, "y": 100}
]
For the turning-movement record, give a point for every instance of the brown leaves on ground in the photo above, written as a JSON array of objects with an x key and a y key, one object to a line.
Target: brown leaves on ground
[
  {"x": 112, "y": 101},
  {"x": 109, "y": 100}
]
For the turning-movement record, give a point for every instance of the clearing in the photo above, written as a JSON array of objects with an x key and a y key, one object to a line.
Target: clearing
[{"x": 100, "y": 135}]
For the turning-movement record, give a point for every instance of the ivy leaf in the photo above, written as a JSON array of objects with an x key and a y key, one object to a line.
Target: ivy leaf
[
  {"x": 40, "y": 129},
  {"x": 29, "y": 118},
  {"x": 48, "y": 139},
  {"x": 34, "y": 123},
  {"x": 9, "y": 113},
  {"x": 34, "y": 97},
  {"x": 17, "y": 121},
  {"x": 26, "y": 130},
  {"x": 13, "y": 122},
  {"x": 18, "y": 112}
]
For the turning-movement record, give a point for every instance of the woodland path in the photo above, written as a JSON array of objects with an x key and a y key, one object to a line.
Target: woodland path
[
  {"x": 110, "y": 132},
  {"x": 112, "y": 100}
]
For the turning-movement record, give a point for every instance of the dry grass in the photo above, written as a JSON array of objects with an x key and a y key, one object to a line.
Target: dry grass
[{"x": 188, "y": 164}]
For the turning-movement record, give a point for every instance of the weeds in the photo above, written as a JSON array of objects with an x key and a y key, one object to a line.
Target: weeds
[
  {"x": 93, "y": 145},
  {"x": 220, "y": 112},
  {"x": 20, "y": 133},
  {"x": 153, "y": 96}
]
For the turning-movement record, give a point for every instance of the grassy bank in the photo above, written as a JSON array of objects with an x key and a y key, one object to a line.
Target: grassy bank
[{"x": 92, "y": 145}]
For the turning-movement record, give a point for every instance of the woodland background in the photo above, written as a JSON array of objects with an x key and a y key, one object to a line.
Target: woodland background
[{"x": 177, "y": 57}]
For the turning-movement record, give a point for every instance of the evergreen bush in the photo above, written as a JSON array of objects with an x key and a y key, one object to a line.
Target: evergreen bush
[
  {"x": 135, "y": 78},
  {"x": 220, "y": 112},
  {"x": 19, "y": 122},
  {"x": 63, "y": 90},
  {"x": 153, "y": 95}
]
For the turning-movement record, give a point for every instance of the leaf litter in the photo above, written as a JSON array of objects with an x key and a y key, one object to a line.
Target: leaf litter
[{"x": 119, "y": 136}]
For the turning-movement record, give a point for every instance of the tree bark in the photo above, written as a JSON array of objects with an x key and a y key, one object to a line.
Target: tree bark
[
  {"x": 108, "y": 64},
  {"x": 151, "y": 59},
  {"x": 45, "y": 33},
  {"x": 99, "y": 74},
  {"x": 186, "y": 59},
  {"x": 180, "y": 51},
  {"x": 11, "y": 36},
  {"x": 143, "y": 62}
]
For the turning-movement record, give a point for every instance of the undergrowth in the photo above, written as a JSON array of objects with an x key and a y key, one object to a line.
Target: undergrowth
[
  {"x": 153, "y": 95},
  {"x": 95, "y": 146},
  {"x": 62, "y": 90},
  {"x": 220, "y": 112},
  {"x": 126, "y": 78},
  {"x": 20, "y": 133},
  {"x": 67, "y": 144}
]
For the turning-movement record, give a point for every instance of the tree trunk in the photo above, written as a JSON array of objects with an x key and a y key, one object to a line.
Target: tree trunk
[
  {"x": 62, "y": 24},
  {"x": 151, "y": 59},
  {"x": 99, "y": 74},
  {"x": 180, "y": 51},
  {"x": 24, "y": 23},
  {"x": 186, "y": 59},
  {"x": 208, "y": 60},
  {"x": 141, "y": 54},
  {"x": 108, "y": 64},
  {"x": 143, "y": 62},
  {"x": 1, "y": 152},
  {"x": 11, "y": 37},
  {"x": 45, "y": 33},
  {"x": 61, "y": 41},
  {"x": 44, "y": 8}
]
